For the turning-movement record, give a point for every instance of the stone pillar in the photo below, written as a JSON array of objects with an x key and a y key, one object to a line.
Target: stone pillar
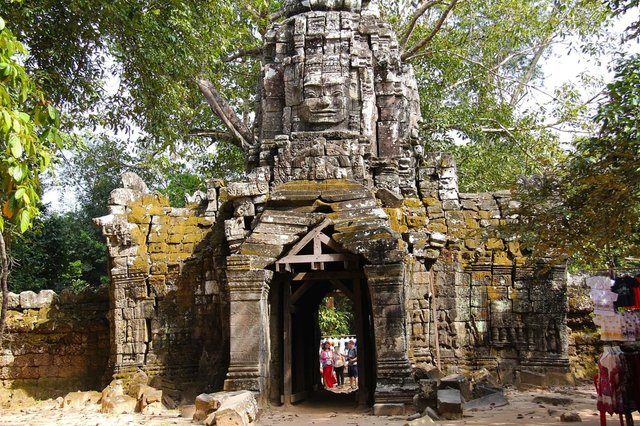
[
  {"x": 249, "y": 337},
  {"x": 395, "y": 386}
]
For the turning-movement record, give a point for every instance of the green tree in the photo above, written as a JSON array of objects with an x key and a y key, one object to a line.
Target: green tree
[
  {"x": 29, "y": 138},
  {"x": 61, "y": 250},
  {"x": 589, "y": 207},
  {"x": 335, "y": 316}
]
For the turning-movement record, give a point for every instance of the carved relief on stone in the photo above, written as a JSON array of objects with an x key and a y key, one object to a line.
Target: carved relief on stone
[{"x": 336, "y": 73}]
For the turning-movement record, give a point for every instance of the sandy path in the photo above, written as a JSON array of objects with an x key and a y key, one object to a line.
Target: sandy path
[{"x": 520, "y": 411}]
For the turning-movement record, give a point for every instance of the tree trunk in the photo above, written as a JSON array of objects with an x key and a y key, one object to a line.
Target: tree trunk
[{"x": 4, "y": 283}]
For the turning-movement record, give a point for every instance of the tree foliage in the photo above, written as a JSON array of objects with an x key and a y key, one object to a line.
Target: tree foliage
[
  {"x": 336, "y": 319},
  {"x": 29, "y": 138},
  {"x": 62, "y": 250},
  {"x": 589, "y": 206}
]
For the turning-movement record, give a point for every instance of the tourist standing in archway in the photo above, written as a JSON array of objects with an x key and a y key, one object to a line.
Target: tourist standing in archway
[
  {"x": 352, "y": 362},
  {"x": 326, "y": 365},
  {"x": 338, "y": 365}
]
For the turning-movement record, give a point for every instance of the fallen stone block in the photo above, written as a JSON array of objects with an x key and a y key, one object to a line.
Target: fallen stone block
[
  {"x": 28, "y": 300},
  {"x": 459, "y": 382},
  {"x": 428, "y": 389},
  {"x": 207, "y": 403},
  {"x": 388, "y": 409},
  {"x": 450, "y": 404},
  {"x": 570, "y": 417},
  {"x": 45, "y": 298},
  {"x": 484, "y": 389},
  {"x": 113, "y": 389},
  {"x": 389, "y": 198},
  {"x": 420, "y": 402},
  {"x": 153, "y": 409},
  {"x": 487, "y": 402},
  {"x": 238, "y": 410},
  {"x": 147, "y": 396},
  {"x": 121, "y": 404},
  {"x": 553, "y": 400},
  {"x": 187, "y": 411},
  {"x": 78, "y": 400},
  {"x": 424, "y": 420},
  {"x": 432, "y": 413}
]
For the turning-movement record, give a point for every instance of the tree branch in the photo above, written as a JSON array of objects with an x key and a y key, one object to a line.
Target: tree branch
[
  {"x": 254, "y": 52},
  {"x": 422, "y": 8},
  {"x": 241, "y": 135},
  {"x": 422, "y": 43},
  {"x": 517, "y": 93},
  {"x": 211, "y": 133}
]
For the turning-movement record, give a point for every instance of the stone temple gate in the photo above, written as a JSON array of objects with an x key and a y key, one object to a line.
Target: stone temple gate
[{"x": 339, "y": 195}]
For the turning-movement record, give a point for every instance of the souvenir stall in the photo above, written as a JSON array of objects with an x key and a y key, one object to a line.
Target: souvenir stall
[{"x": 617, "y": 314}]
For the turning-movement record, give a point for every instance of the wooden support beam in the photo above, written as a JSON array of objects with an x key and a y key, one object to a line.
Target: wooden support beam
[
  {"x": 363, "y": 384},
  {"x": 324, "y": 276},
  {"x": 307, "y": 238},
  {"x": 311, "y": 258},
  {"x": 288, "y": 383}
]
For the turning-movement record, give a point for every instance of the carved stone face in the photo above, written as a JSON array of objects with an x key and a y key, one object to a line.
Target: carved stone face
[{"x": 326, "y": 102}]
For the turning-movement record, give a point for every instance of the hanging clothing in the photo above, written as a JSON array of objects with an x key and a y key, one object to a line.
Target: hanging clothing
[
  {"x": 624, "y": 286},
  {"x": 618, "y": 381}
]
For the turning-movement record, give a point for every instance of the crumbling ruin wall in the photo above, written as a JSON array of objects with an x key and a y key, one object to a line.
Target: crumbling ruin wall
[
  {"x": 494, "y": 307},
  {"x": 585, "y": 346},
  {"x": 54, "y": 344},
  {"x": 168, "y": 306}
]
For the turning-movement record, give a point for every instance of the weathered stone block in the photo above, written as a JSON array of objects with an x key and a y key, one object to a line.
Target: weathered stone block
[{"x": 450, "y": 404}]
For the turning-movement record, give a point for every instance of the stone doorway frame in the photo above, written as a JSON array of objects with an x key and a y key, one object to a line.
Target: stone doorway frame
[{"x": 319, "y": 242}]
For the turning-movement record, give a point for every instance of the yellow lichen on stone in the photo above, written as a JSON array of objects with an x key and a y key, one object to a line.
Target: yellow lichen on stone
[
  {"x": 141, "y": 262},
  {"x": 138, "y": 236},
  {"x": 412, "y": 202},
  {"x": 395, "y": 218},
  {"x": 138, "y": 214},
  {"x": 431, "y": 201},
  {"x": 495, "y": 244},
  {"x": 501, "y": 258},
  {"x": 437, "y": 225}
]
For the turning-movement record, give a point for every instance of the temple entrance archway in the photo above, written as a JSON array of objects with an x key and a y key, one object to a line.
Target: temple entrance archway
[{"x": 313, "y": 268}]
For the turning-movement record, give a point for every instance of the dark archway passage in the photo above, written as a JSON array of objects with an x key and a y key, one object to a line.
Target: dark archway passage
[{"x": 314, "y": 268}]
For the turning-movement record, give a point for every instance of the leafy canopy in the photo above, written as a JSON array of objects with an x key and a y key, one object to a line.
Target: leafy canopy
[
  {"x": 29, "y": 135},
  {"x": 589, "y": 206}
]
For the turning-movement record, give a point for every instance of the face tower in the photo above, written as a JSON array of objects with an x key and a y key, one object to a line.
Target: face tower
[{"x": 336, "y": 101}]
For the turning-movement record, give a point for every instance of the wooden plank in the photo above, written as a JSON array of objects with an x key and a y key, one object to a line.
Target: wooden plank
[
  {"x": 288, "y": 383},
  {"x": 362, "y": 349},
  {"x": 307, "y": 238},
  {"x": 326, "y": 240},
  {"x": 324, "y": 276},
  {"x": 310, "y": 258}
]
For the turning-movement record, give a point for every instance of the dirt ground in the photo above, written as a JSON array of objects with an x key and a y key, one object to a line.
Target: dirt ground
[{"x": 521, "y": 410}]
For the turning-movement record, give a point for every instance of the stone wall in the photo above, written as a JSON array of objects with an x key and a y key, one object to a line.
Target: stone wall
[
  {"x": 55, "y": 343},
  {"x": 494, "y": 307},
  {"x": 585, "y": 346},
  {"x": 169, "y": 309}
]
